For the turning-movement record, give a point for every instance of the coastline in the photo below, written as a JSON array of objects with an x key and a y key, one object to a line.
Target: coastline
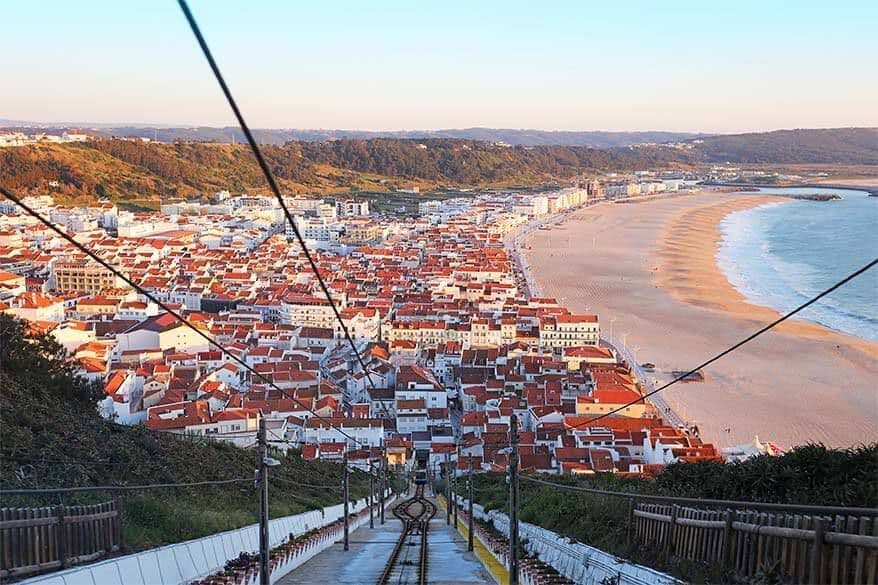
[
  {"x": 651, "y": 273},
  {"x": 691, "y": 272}
]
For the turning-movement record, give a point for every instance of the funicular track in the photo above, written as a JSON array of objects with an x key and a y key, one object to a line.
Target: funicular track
[{"x": 408, "y": 561}]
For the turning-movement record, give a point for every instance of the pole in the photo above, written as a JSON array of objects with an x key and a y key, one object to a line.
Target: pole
[
  {"x": 469, "y": 510},
  {"x": 371, "y": 498},
  {"x": 454, "y": 490},
  {"x": 346, "y": 501},
  {"x": 513, "y": 501},
  {"x": 382, "y": 482},
  {"x": 447, "y": 488},
  {"x": 263, "y": 505}
]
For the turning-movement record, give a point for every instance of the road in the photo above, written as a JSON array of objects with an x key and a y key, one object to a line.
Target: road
[{"x": 647, "y": 380}]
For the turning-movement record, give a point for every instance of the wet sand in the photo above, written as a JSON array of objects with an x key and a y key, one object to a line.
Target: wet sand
[{"x": 649, "y": 270}]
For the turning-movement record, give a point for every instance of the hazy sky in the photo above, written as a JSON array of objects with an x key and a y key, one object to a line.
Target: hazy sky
[{"x": 418, "y": 64}]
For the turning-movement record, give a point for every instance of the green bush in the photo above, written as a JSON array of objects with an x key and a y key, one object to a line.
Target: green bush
[{"x": 806, "y": 475}]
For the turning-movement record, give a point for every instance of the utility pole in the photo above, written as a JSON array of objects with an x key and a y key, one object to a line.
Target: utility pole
[
  {"x": 513, "y": 501},
  {"x": 447, "y": 488},
  {"x": 383, "y": 482},
  {"x": 346, "y": 500},
  {"x": 469, "y": 543},
  {"x": 454, "y": 485},
  {"x": 263, "y": 504},
  {"x": 371, "y": 497}
]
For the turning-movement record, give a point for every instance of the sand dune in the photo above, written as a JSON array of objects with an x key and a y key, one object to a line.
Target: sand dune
[{"x": 651, "y": 268}]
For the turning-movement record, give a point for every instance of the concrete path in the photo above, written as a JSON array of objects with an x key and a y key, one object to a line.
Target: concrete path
[{"x": 449, "y": 564}]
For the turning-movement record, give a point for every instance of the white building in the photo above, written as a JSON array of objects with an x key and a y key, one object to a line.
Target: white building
[
  {"x": 307, "y": 312},
  {"x": 162, "y": 332},
  {"x": 352, "y": 207},
  {"x": 365, "y": 431},
  {"x": 569, "y": 331}
]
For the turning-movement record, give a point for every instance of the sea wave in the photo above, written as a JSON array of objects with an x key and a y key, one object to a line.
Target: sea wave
[{"x": 769, "y": 255}]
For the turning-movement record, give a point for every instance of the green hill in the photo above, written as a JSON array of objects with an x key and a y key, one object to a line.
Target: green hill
[
  {"x": 846, "y": 146},
  {"x": 52, "y": 436},
  {"x": 138, "y": 173},
  {"x": 147, "y": 173}
]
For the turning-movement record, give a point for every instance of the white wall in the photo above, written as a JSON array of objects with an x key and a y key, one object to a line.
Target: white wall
[
  {"x": 185, "y": 562},
  {"x": 583, "y": 564}
]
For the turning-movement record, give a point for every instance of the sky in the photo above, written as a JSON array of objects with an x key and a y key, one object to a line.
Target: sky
[{"x": 419, "y": 65}]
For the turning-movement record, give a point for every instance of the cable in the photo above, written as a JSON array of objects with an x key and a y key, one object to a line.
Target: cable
[
  {"x": 300, "y": 484},
  {"x": 729, "y": 350},
  {"x": 280, "y": 439},
  {"x": 120, "y": 488},
  {"x": 41, "y": 460},
  {"x": 119, "y": 274},
  {"x": 704, "y": 501},
  {"x": 271, "y": 181}
]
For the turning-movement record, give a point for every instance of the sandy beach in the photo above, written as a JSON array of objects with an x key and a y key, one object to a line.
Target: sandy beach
[{"x": 649, "y": 270}]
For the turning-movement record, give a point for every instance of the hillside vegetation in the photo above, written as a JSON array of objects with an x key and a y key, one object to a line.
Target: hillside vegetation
[
  {"x": 145, "y": 174},
  {"x": 52, "y": 436},
  {"x": 807, "y": 475},
  {"x": 127, "y": 171},
  {"x": 847, "y": 146}
]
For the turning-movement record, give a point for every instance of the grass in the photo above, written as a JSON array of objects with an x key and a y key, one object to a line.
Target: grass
[{"x": 46, "y": 444}]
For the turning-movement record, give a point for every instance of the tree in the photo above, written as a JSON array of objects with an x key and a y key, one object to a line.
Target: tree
[{"x": 42, "y": 361}]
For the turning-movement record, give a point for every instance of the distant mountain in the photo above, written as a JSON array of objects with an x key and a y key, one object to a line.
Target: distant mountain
[
  {"x": 228, "y": 134},
  {"x": 823, "y": 146},
  {"x": 815, "y": 146}
]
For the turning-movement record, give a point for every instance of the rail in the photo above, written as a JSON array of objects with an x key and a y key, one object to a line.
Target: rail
[
  {"x": 33, "y": 540},
  {"x": 415, "y": 524},
  {"x": 815, "y": 548}
]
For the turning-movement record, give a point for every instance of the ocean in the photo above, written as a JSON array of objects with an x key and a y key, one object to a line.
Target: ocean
[{"x": 780, "y": 254}]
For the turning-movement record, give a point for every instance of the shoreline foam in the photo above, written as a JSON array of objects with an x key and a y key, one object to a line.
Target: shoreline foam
[
  {"x": 655, "y": 270},
  {"x": 770, "y": 279}
]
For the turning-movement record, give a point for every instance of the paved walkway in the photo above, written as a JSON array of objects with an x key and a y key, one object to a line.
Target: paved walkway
[{"x": 449, "y": 564}]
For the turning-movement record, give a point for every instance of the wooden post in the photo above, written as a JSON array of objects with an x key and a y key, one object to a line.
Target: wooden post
[
  {"x": 672, "y": 528},
  {"x": 729, "y": 517},
  {"x": 630, "y": 534},
  {"x": 63, "y": 545},
  {"x": 120, "y": 535},
  {"x": 817, "y": 549}
]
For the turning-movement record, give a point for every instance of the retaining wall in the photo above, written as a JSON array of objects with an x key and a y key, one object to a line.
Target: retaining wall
[
  {"x": 582, "y": 564},
  {"x": 185, "y": 562}
]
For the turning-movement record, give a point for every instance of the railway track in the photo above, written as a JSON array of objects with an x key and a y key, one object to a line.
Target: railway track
[{"x": 407, "y": 564}]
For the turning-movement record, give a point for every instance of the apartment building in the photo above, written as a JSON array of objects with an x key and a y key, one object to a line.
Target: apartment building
[
  {"x": 560, "y": 331},
  {"x": 303, "y": 311},
  {"x": 84, "y": 276}
]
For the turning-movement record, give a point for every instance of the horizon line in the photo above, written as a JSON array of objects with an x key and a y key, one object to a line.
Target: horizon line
[{"x": 161, "y": 125}]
